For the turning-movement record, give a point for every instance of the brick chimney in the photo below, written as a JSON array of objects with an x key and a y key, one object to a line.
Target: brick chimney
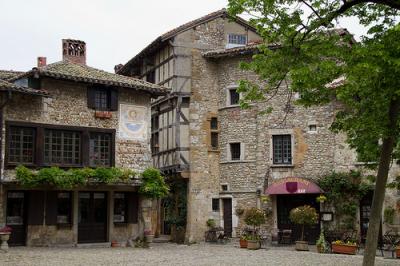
[
  {"x": 118, "y": 67},
  {"x": 74, "y": 51},
  {"x": 41, "y": 61}
]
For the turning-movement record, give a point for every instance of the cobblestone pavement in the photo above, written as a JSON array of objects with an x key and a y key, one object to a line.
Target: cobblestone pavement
[{"x": 172, "y": 254}]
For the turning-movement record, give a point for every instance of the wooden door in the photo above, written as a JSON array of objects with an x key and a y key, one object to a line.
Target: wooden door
[
  {"x": 227, "y": 203},
  {"x": 16, "y": 217},
  {"x": 92, "y": 221},
  {"x": 365, "y": 213}
]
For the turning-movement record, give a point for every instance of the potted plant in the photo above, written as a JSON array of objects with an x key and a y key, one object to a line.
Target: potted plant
[
  {"x": 398, "y": 252},
  {"x": 254, "y": 217},
  {"x": 303, "y": 215},
  {"x": 148, "y": 235},
  {"x": 243, "y": 240},
  {"x": 211, "y": 223},
  {"x": 322, "y": 246},
  {"x": 5, "y": 233},
  {"x": 349, "y": 247}
]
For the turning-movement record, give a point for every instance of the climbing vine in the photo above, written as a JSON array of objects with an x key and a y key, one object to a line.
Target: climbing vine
[
  {"x": 344, "y": 191},
  {"x": 68, "y": 179}
]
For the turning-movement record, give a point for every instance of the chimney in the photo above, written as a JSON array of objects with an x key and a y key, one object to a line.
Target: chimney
[
  {"x": 41, "y": 61},
  {"x": 74, "y": 51},
  {"x": 117, "y": 68}
]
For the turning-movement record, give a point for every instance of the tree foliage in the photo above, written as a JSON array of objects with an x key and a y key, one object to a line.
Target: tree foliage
[
  {"x": 324, "y": 64},
  {"x": 153, "y": 184}
]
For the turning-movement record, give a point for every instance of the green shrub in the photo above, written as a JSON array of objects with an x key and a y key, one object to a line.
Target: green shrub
[
  {"x": 388, "y": 215},
  {"x": 254, "y": 217},
  {"x": 153, "y": 184},
  {"x": 211, "y": 223},
  {"x": 25, "y": 176}
]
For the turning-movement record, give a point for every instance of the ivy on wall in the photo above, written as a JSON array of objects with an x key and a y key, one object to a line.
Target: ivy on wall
[
  {"x": 68, "y": 179},
  {"x": 344, "y": 192}
]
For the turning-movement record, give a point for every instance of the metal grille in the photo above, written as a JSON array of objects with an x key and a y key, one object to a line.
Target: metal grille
[
  {"x": 101, "y": 100},
  {"x": 62, "y": 147},
  {"x": 214, "y": 140},
  {"x": 282, "y": 149},
  {"x": 100, "y": 149},
  {"x": 235, "y": 151},
  {"x": 234, "y": 97},
  {"x": 214, "y": 123},
  {"x": 21, "y": 146},
  {"x": 215, "y": 204}
]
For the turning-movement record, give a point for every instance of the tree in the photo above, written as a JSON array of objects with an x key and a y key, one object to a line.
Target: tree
[{"x": 323, "y": 64}]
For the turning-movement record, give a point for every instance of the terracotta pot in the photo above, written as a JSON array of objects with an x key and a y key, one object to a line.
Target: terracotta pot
[
  {"x": 344, "y": 249},
  {"x": 149, "y": 238},
  {"x": 398, "y": 252},
  {"x": 243, "y": 243},
  {"x": 320, "y": 249},
  {"x": 253, "y": 244},
  {"x": 114, "y": 244},
  {"x": 301, "y": 246}
]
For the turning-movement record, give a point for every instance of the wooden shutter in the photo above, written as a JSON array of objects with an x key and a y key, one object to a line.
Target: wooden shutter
[
  {"x": 35, "y": 207},
  {"x": 113, "y": 99},
  {"x": 91, "y": 92},
  {"x": 51, "y": 208},
  {"x": 132, "y": 202}
]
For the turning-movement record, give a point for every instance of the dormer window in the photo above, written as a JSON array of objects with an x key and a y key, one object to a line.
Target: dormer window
[
  {"x": 103, "y": 99},
  {"x": 236, "y": 40}
]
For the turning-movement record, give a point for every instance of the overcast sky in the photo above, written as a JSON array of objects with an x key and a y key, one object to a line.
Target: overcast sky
[{"x": 114, "y": 30}]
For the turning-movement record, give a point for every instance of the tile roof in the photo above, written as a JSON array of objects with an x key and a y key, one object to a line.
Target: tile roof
[
  {"x": 67, "y": 70},
  {"x": 166, "y": 36},
  {"x": 9, "y": 74},
  {"x": 241, "y": 50},
  {"x": 8, "y": 86}
]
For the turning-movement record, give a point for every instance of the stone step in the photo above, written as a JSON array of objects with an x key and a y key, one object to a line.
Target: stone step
[
  {"x": 94, "y": 245},
  {"x": 162, "y": 239}
]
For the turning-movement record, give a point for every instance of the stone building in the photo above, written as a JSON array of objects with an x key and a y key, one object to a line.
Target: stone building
[
  {"x": 230, "y": 158},
  {"x": 70, "y": 115}
]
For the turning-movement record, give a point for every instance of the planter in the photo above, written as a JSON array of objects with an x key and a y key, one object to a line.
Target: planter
[
  {"x": 301, "y": 246},
  {"x": 320, "y": 249},
  {"x": 4, "y": 237},
  {"x": 243, "y": 243},
  {"x": 114, "y": 244},
  {"x": 103, "y": 114},
  {"x": 344, "y": 249},
  {"x": 253, "y": 244},
  {"x": 149, "y": 238},
  {"x": 398, "y": 252}
]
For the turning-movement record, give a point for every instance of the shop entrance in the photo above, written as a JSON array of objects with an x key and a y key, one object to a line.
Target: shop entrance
[
  {"x": 287, "y": 202},
  {"x": 92, "y": 222},
  {"x": 16, "y": 217}
]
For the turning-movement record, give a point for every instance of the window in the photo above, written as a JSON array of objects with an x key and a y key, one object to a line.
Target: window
[
  {"x": 224, "y": 187},
  {"x": 235, "y": 40},
  {"x": 62, "y": 147},
  {"x": 99, "y": 149},
  {"x": 235, "y": 151},
  {"x": 21, "y": 145},
  {"x": 64, "y": 208},
  {"x": 215, "y": 205},
  {"x": 282, "y": 149},
  {"x": 120, "y": 207},
  {"x": 102, "y": 98},
  {"x": 214, "y": 133},
  {"x": 234, "y": 97},
  {"x": 312, "y": 128}
]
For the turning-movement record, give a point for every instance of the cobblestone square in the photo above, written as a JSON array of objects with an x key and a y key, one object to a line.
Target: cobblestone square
[{"x": 172, "y": 254}]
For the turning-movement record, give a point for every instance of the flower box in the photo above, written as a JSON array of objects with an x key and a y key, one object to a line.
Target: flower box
[
  {"x": 243, "y": 243},
  {"x": 344, "y": 249},
  {"x": 103, "y": 114},
  {"x": 398, "y": 252}
]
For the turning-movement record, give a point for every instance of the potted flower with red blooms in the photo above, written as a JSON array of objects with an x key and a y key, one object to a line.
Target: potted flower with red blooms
[{"x": 5, "y": 233}]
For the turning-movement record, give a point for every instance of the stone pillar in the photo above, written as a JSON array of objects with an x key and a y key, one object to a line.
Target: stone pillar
[
  {"x": 146, "y": 213},
  {"x": 75, "y": 215}
]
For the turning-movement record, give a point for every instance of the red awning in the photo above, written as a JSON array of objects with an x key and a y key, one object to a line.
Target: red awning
[{"x": 293, "y": 185}]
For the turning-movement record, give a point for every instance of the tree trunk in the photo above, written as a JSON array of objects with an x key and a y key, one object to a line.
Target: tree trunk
[{"x": 380, "y": 186}]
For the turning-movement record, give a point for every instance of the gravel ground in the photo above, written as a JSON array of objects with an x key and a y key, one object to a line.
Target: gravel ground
[{"x": 172, "y": 254}]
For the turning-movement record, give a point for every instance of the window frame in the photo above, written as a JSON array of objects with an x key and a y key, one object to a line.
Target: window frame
[
  {"x": 229, "y": 97},
  {"x": 39, "y": 142},
  {"x": 215, "y": 201},
  {"x": 236, "y": 36},
  {"x": 213, "y": 131},
  {"x": 125, "y": 200},
  {"x": 240, "y": 158},
  {"x": 281, "y": 163},
  {"x": 70, "y": 214}
]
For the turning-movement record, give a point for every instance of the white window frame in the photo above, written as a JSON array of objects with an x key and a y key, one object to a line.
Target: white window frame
[
  {"x": 228, "y": 95},
  {"x": 233, "y": 45},
  {"x": 277, "y": 132},
  {"x": 242, "y": 151}
]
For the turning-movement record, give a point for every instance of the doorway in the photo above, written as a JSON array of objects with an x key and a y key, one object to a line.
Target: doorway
[
  {"x": 227, "y": 205},
  {"x": 92, "y": 220},
  {"x": 287, "y": 202},
  {"x": 16, "y": 217},
  {"x": 365, "y": 212}
]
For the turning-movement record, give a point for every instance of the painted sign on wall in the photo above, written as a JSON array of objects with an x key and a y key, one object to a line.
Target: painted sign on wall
[{"x": 132, "y": 122}]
